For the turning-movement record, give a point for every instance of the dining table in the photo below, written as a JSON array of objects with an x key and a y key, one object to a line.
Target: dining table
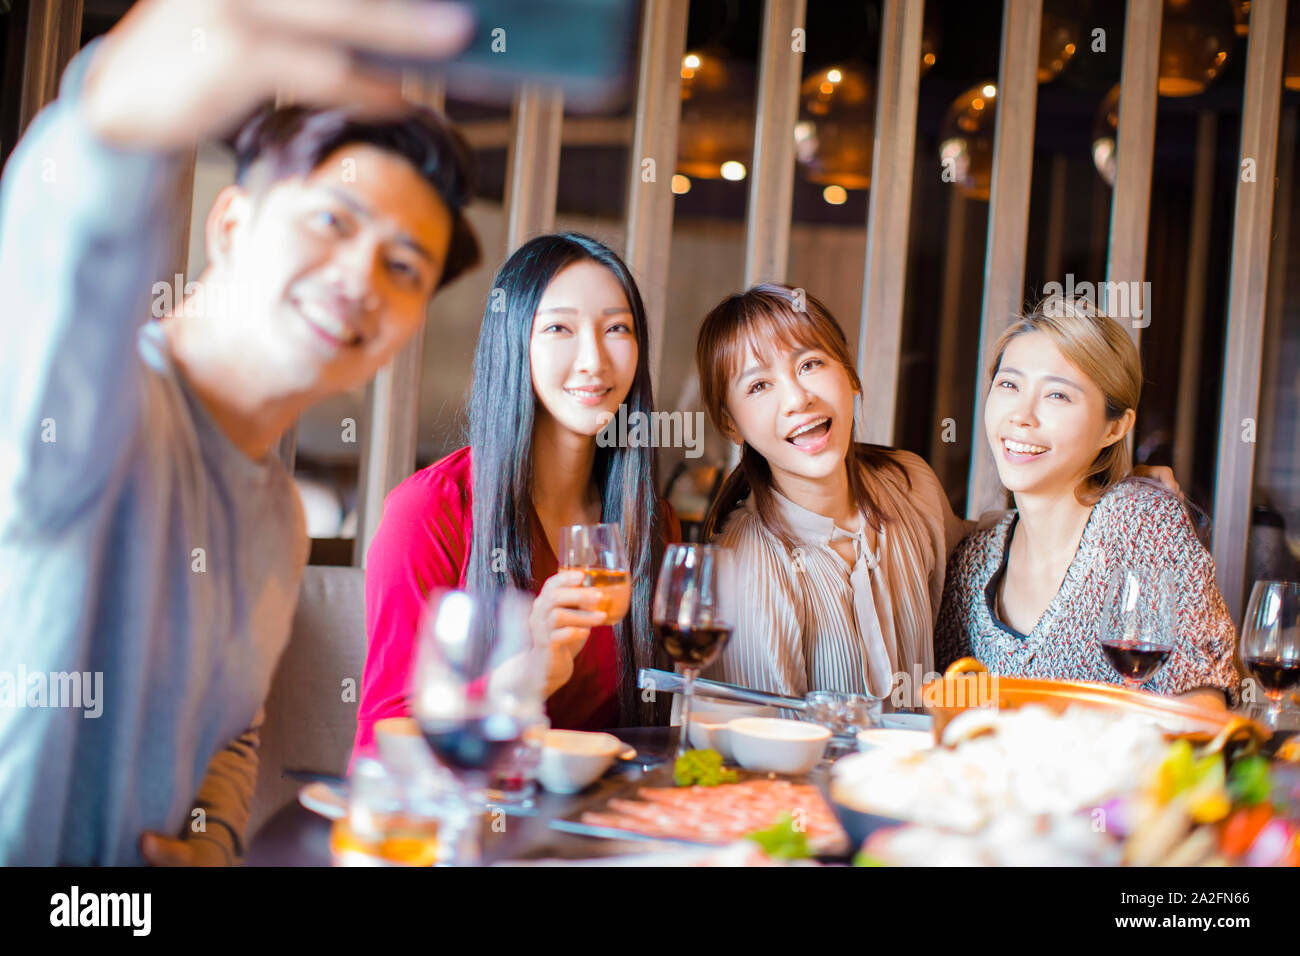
[
  {"x": 299, "y": 837},
  {"x": 296, "y": 836}
]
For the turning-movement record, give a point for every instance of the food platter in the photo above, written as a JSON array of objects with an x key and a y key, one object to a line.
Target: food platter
[
  {"x": 967, "y": 683},
  {"x": 651, "y": 807}
]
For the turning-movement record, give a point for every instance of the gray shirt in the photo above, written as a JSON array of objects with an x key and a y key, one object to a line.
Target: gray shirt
[{"x": 148, "y": 569}]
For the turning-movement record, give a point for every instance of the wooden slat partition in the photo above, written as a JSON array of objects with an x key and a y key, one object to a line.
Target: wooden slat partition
[
  {"x": 390, "y": 435},
  {"x": 533, "y": 164},
  {"x": 650, "y": 200},
  {"x": 1247, "y": 294},
  {"x": 1004, "y": 263},
  {"x": 888, "y": 216},
  {"x": 1135, "y": 146},
  {"x": 771, "y": 176},
  {"x": 53, "y": 39},
  {"x": 1198, "y": 257}
]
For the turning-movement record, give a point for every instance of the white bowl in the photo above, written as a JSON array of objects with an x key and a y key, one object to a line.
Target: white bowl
[
  {"x": 709, "y": 731},
  {"x": 777, "y": 746},
  {"x": 574, "y": 759},
  {"x": 889, "y": 738}
]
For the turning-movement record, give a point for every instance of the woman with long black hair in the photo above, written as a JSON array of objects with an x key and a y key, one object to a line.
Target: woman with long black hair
[{"x": 562, "y": 346}]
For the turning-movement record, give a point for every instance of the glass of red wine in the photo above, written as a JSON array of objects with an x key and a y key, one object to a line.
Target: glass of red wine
[
  {"x": 1138, "y": 622},
  {"x": 1270, "y": 641},
  {"x": 693, "y": 613},
  {"x": 476, "y": 688}
]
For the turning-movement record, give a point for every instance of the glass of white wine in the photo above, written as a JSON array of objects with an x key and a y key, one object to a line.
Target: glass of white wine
[{"x": 597, "y": 550}]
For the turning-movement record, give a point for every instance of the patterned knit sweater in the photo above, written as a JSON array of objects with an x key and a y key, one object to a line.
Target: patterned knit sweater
[{"x": 1135, "y": 524}]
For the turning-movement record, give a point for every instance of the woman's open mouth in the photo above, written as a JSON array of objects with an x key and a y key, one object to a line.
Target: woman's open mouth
[
  {"x": 1019, "y": 451},
  {"x": 812, "y": 436}
]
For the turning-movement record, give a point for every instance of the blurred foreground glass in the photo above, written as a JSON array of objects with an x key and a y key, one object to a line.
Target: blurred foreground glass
[
  {"x": 598, "y": 551},
  {"x": 392, "y": 819},
  {"x": 694, "y": 612},
  {"x": 844, "y": 715},
  {"x": 1137, "y": 622},
  {"x": 1270, "y": 641},
  {"x": 477, "y": 689}
]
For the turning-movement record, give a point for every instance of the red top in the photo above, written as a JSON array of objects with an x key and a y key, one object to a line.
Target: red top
[{"x": 423, "y": 543}]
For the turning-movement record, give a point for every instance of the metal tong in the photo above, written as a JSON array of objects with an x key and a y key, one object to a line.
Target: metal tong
[{"x": 668, "y": 682}]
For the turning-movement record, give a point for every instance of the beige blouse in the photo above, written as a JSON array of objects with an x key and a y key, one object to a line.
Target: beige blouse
[{"x": 807, "y": 620}]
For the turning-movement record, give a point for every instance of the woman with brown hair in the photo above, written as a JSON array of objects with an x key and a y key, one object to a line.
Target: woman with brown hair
[
  {"x": 1025, "y": 594},
  {"x": 842, "y": 546}
]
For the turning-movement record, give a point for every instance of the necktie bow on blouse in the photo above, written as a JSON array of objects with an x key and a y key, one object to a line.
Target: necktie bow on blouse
[{"x": 879, "y": 645}]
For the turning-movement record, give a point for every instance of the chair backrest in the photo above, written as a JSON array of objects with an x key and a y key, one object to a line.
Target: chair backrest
[{"x": 311, "y": 710}]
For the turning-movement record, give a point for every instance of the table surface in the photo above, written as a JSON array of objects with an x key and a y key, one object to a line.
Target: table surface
[{"x": 295, "y": 836}]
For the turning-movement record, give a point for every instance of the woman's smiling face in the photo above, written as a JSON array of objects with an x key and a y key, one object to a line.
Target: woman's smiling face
[
  {"x": 583, "y": 348},
  {"x": 1044, "y": 419},
  {"x": 794, "y": 406}
]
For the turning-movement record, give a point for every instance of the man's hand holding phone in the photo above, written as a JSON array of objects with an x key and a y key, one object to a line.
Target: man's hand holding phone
[{"x": 174, "y": 71}]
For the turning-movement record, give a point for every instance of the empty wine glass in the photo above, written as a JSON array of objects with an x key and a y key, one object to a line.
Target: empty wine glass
[
  {"x": 597, "y": 550},
  {"x": 694, "y": 613},
  {"x": 1270, "y": 641},
  {"x": 477, "y": 687},
  {"x": 1138, "y": 622}
]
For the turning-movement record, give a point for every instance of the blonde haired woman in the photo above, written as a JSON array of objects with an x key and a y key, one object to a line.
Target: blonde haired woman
[{"x": 1024, "y": 594}]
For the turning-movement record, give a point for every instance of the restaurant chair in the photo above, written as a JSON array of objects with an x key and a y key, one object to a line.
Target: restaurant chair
[{"x": 311, "y": 710}]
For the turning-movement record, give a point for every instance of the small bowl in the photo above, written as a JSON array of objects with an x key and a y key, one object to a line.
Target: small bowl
[
  {"x": 894, "y": 739},
  {"x": 709, "y": 731},
  {"x": 777, "y": 746},
  {"x": 574, "y": 759},
  {"x": 858, "y": 822}
]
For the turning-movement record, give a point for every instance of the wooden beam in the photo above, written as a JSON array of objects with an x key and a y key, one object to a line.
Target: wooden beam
[
  {"x": 888, "y": 216},
  {"x": 1004, "y": 263},
  {"x": 1198, "y": 259},
  {"x": 1247, "y": 294},
  {"x": 53, "y": 39},
  {"x": 1135, "y": 142},
  {"x": 654, "y": 139},
  {"x": 951, "y": 312},
  {"x": 771, "y": 176},
  {"x": 1273, "y": 381},
  {"x": 533, "y": 164},
  {"x": 1054, "y": 250},
  {"x": 390, "y": 435}
]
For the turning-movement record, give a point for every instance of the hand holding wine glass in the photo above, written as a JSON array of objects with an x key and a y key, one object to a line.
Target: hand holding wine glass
[
  {"x": 1270, "y": 641},
  {"x": 597, "y": 550},
  {"x": 694, "y": 612},
  {"x": 561, "y": 619},
  {"x": 1138, "y": 622}
]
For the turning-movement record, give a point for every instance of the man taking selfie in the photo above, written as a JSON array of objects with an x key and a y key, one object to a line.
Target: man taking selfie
[{"x": 151, "y": 541}]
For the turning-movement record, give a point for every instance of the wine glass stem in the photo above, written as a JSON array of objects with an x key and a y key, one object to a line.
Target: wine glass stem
[
  {"x": 465, "y": 839},
  {"x": 688, "y": 692}
]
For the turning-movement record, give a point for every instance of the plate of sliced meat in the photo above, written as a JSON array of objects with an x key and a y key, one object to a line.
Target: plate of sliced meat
[{"x": 711, "y": 815}]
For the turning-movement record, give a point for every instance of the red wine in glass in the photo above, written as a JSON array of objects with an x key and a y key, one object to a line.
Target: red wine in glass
[
  {"x": 473, "y": 746},
  {"x": 1138, "y": 620},
  {"x": 695, "y": 647},
  {"x": 1270, "y": 641},
  {"x": 1136, "y": 661},
  {"x": 1277, "y": 677},
  {"x": 693, "y": 612}
]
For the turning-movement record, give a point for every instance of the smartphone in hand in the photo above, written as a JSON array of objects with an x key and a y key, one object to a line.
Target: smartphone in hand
[{"x": 586, "y": 48}]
